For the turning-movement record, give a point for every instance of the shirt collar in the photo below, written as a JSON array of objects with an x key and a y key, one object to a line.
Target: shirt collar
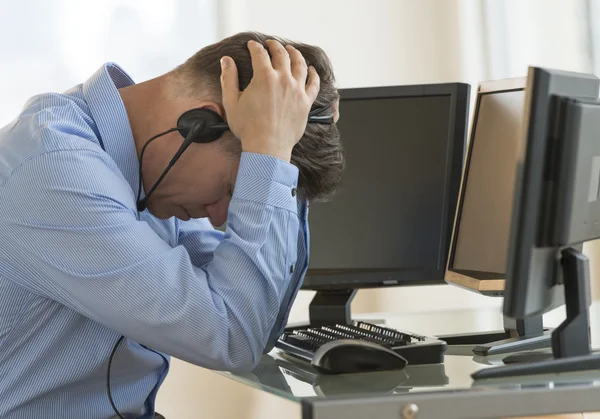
[{"x": 109, "y": 113}]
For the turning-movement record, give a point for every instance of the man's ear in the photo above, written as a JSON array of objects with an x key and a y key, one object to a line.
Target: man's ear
[{"x": 213, "y": 106}]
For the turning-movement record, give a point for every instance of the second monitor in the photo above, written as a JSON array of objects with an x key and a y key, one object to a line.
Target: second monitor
[{"x": 478, "y": 253}]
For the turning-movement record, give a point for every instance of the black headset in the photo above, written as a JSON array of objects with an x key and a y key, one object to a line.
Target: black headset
[{"x": 202, "y": 125}]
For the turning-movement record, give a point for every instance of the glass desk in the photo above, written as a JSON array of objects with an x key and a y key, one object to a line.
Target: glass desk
[{"x": 431, "y": 391}]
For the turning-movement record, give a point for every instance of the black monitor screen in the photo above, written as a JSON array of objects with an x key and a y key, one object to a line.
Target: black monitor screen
[
  {"x": 483, "y": 223},
  {"x": 390, "y": 214}
]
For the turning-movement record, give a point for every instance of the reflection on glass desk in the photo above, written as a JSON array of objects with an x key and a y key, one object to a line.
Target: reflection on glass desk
[
  {"x": 433, "y": 386},
  {"x": 301, "y": 380}
]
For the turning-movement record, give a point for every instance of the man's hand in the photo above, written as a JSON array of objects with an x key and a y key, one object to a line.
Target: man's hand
[{"x": 270, "y": 115}]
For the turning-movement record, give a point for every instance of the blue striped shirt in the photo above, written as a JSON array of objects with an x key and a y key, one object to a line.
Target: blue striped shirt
[{"x": 78, "y": 269}]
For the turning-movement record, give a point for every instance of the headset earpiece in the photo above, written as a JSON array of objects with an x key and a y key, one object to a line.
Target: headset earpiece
[{"x": 213, "y": 128}]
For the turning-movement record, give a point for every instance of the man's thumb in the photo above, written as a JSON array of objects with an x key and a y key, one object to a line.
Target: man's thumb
[{"x": 229, "y": 82}]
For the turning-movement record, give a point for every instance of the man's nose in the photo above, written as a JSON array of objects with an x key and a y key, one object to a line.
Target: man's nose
[{"x": 217, "y": 212}]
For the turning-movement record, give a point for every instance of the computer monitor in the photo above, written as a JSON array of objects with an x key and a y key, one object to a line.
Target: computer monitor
[
  {"x": 477, "y": 259},
  {"x": 555, "y": 209},
  {"x": 533, "y": 266},
  {"x": 391, "y": 221}
]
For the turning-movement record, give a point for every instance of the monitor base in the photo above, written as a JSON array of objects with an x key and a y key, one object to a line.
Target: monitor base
[
  {"x": 552, "y": 366},
  {"x": 520, "y": 335},
  {"x": 571, "y": 342}
]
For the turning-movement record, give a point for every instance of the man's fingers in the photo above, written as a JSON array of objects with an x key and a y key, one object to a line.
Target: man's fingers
[
  {"x": 298, "y": 63},
  {"x": 260, "y": 57},
  {"x": 336, "y": 110},
  {"x": 279, "y": 56},
  {"x": 313, "y": 85},
  {"x": 229, "y": 82}
]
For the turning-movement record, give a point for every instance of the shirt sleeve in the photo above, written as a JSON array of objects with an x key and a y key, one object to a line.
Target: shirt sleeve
[
  {"x": 73, "y": 236},
  {"x": 297, "y": 278},
  {"x": 201, "y": 239}
]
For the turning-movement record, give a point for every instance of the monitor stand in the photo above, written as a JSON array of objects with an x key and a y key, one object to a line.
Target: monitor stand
[
  {"x": 571, "y": 343},
  {"x": 330, "y": 307},
  {"x": 519, "y": 335}
]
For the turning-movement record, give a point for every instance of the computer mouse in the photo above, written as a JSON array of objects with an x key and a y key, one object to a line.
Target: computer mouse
[{"x": 346, "y": 356}]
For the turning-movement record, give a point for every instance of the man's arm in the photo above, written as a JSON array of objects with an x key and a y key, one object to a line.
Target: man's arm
[
  {"x": 201, "y": 239},
  {"x": 297, "y": 278},
  {"x": 85, "y": 248}
]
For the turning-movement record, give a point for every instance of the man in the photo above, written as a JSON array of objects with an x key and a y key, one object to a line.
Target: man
[{"x": 84, "y": 274}]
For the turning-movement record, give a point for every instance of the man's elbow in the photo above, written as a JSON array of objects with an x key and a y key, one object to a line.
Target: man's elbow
[
  {"x": 243, "y": 367},
  {"x": 241, "y": 353},
  {"x": 242, "y": 361},
  {"x": 247, "y": 344}
]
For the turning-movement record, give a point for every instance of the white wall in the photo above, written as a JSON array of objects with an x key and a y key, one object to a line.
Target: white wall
[
  {"x": 52, "y": 45},
  {"x": 370, "y": 43},
  {"x": 547, "y": 33}
]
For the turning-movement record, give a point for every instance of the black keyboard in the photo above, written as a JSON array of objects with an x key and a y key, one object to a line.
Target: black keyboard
[{"x": 416, "y": 349}]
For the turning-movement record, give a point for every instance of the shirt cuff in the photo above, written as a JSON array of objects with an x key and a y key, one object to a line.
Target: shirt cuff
[{"x": 267, "y": 179}]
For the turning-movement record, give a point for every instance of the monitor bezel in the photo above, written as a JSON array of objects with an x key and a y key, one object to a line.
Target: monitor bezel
[
  {"x": 459, "y": 93},
  {"x": 477, "y": 281}
]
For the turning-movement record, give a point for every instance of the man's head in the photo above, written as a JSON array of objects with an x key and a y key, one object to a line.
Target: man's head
[{"x": 200, "y": 184}]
